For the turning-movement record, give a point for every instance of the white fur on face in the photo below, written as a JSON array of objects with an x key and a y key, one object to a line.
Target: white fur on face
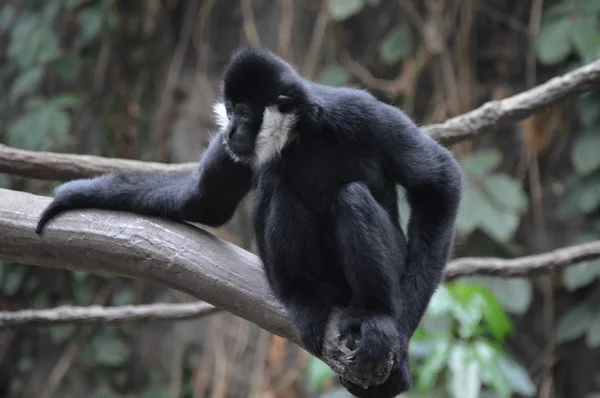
[
  {"x": 220, "y": 114},
  {"x": 273, "y": 135}
]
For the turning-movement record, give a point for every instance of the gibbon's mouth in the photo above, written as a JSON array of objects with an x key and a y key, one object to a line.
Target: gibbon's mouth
[{"x": 237, "y": 153}]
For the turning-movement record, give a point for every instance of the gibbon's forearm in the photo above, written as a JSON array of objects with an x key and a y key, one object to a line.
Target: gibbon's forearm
[{"x": 208, "y": 196}]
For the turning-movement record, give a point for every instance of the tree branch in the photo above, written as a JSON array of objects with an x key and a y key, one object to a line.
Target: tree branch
[
  {"x": 495, "y": 114},
  {"x": 490, "y": 116},
  {"x": 63, "y": 167},
  {"x": 189, "y": 259},
  {"x": 175, "y": 255},
  {"x": 101, "y": 314},
  {"x": 526, "y": 266}
]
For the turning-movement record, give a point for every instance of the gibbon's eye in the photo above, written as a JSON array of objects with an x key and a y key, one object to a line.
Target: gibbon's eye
[{"x": 242, "y": 110}]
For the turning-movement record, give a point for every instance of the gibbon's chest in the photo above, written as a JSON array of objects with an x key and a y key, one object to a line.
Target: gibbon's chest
[{"x": 314, "y": 171}]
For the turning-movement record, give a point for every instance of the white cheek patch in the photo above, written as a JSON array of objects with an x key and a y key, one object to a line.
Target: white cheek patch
[
  {"x": 273, "y": 135},
  {"x": 220, "y": 115}
]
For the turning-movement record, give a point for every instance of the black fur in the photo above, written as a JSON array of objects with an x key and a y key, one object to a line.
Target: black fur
[{"x": 325, "y": 216}]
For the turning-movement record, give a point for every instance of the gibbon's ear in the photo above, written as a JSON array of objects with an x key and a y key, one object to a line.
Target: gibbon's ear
[{"x": 284, "y": 103}]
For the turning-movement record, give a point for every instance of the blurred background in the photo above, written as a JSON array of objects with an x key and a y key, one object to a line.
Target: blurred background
[{"x": 137, "y": 79}]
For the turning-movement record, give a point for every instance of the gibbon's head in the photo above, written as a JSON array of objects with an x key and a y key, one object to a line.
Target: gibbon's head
[{"x": 261, "y": 97}]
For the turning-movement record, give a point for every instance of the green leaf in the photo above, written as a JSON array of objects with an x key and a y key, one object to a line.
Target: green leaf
[
  {"x": 91, "y": 21},
  {"x": 582, "y": 196},
  {"x": 48, "y": 47},
  {"x": 588, "y": 109},
  {"x": 495, "y": 317},
  {"x": 585, "y": 154},
  {"x": 518, "y": 377},
  {"x": 464, "y": 372},
  {"x": 441, "y": 302},
  {"x": 472, "y": 209},
  {"x": 492, "y": 203},
  {"x": 473, "y": 298},
  {"x": 581, "y": 275},
  {"x": 486, "y": 355},
  {"x": 112, "y": 353},
  {"x": 25, "y": 364},
  {"x": 500, "y": 226},
  {"x": 574, "y": 323},
  {"x": 344, "y": 9},
  {"x": 26, "y": 82},
  {"x": 67, "y": 67},
  {"x": 318, "y": 373},
  {"x": 42, "y": 127},
  {"x": 13, "y": 279},
  {"x": 396, "y": 45},
  {"x": 60, "y": 334},
  {"x": 123, "y": 297},
  {"x": 553, "y": 43},
  {"x": 6, "y": 17},
  {"x": 592, "y": 337},
  {"x": 433, "y": 365},
  {"x": 334, "y": 76},
  {"x": 514, "y": 294},
  {"x": 586, "y": 37},
  {"x": 4, "y": 180},
  {"x": 482, "y": 162},
  {"x": 507, "y": 192}
]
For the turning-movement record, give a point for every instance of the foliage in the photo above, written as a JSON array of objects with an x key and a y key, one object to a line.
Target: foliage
[
  {"x": 493, "y": 201},
  {"x": 570, "y": 26},
  {"x": 396, "y": 45},
  {"x": 344, "y": 9},
  {"x": 458, "y": 346},
  {"x": 457, "y": 350},
  {"x": 35, "y": 56}
]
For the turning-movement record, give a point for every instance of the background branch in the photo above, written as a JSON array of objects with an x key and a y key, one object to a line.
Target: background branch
[
  {"x": 63, "y": 167},
  {"x": 495, "y": 114},
  {"x": 527, "y": 266},
  {"x": 490, "y": 116},
  {"x": 101, "y": 314}
]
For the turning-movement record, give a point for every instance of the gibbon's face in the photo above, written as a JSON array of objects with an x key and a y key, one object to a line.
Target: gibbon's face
[{"x": 257, "y": 114}]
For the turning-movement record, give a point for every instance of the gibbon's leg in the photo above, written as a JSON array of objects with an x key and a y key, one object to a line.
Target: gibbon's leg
[
  {"x": 372, "y": 251},
  {"x": 292, "y": 256}
]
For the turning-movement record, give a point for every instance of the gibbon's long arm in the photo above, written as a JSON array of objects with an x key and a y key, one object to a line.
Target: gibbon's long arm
[
  {"x": 208, "y": 195},
  {"x": 433, "y": 181}
]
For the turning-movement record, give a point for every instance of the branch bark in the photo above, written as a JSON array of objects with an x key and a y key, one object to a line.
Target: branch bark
[
  {"x": 101, "y": 314},
  {"x": 488, "y": 117}
]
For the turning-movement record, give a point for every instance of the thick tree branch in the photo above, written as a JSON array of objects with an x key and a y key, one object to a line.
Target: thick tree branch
[
  {"x": 100, "y": 314},
  {"x": 490, "y": 116},
  {"x": 175, "y": 255},
  {"x": 191, "y": 260}
]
